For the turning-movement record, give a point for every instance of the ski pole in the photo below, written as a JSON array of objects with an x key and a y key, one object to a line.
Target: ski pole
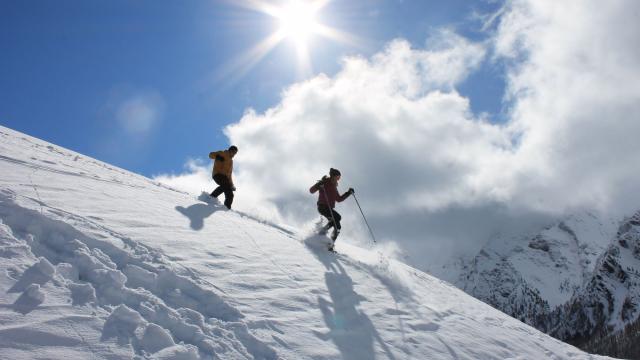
[{"x": 364, "y": 217}]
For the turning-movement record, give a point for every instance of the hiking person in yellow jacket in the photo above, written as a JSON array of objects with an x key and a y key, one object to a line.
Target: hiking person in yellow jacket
[{"x": 222, "y": 169}]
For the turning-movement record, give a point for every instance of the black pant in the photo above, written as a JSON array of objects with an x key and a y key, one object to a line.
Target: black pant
[
  {"x": 225, "y": 186},
  {"x": 325, "y": 211}
]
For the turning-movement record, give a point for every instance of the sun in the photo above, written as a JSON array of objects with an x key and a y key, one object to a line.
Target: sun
[{"x": 298, "y": 22}]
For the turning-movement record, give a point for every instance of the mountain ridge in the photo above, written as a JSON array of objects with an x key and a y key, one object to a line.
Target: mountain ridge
[{"x": 574, "y": 279}]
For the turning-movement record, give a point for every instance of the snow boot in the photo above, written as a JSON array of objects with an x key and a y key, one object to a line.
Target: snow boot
[{"x": 331, "y": 247}]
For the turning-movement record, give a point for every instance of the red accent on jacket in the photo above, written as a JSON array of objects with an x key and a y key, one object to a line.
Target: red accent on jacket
[{"x": 328, "y": 193}]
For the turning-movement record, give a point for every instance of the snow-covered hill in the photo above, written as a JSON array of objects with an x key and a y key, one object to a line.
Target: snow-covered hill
[
  {"x": 101, "y": 263},
  {"x": 576, "y": 279}
]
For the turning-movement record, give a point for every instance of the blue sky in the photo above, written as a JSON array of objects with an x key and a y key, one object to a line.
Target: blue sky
[{"x": 69, "y": 67}]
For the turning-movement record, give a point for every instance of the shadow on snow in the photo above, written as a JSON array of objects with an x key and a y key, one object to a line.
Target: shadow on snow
[
  {"x": 350, "y": 329},
  {"x": 200, "y": 211}
]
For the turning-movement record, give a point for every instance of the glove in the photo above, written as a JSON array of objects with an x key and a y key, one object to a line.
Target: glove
[
  {"x": 219, "y": 158},
  {"x": 351, "y": 191},
  {"x": 233, "y": 188}
]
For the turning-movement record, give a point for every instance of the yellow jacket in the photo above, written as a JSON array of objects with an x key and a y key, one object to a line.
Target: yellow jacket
[{"x": 225, "y": 166}]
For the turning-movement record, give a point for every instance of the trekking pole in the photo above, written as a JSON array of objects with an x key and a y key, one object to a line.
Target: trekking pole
[{"x": 364, "y": 217}]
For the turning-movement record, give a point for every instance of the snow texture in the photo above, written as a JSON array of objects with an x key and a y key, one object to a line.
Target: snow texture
[{"x": 100, "y": 263}]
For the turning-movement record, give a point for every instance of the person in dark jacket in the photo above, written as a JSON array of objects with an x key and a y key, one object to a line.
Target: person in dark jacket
[
  {"x": 222, "y": 174},
  {"x": 328, "y": 188}
]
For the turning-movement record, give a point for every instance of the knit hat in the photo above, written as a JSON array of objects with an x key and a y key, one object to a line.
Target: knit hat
[{"x": 334, "y": 172}]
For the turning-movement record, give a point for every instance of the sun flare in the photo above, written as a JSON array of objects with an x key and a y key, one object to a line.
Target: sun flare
[{"x": 298, "y": 21}]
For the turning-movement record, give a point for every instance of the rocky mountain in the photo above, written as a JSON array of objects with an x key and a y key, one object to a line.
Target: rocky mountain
[{"x": 576, "y": 280}]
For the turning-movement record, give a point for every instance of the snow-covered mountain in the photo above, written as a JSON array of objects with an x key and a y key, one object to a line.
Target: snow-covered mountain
[
  {"x": 100, "y": 263},
  {"x": 576, "y": 279}
]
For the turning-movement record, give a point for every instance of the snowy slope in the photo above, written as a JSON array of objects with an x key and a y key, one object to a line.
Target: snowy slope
[{"x": 100, "y": 263}]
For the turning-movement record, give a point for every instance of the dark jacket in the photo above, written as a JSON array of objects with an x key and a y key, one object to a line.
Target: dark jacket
[{"x": 328, "y": 193}]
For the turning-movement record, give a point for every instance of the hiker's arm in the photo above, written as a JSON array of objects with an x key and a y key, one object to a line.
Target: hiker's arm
[{"x": 344, "y": 196}]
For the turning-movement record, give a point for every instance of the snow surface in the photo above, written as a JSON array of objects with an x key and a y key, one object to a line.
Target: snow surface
[{"x": 101, "y": 263}]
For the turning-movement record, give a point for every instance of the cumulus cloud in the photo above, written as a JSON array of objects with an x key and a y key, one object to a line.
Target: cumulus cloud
[
  {"x": 575, "y": 102},
  {"x": 195, "y": 179},
  {"x": 431, "y": 175}
]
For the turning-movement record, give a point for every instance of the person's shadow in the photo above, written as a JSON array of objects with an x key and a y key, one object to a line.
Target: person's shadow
[
  {"x": 350, "y": 329},
  {"x": 200, "y": 211}
]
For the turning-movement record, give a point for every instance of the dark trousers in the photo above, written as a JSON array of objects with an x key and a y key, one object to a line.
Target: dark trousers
[
  {"x": 224, "y": 187},
  {"x": 325, "y": 211}
]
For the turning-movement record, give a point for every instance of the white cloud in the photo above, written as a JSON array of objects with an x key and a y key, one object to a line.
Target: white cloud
[
  {"x": 575, "y": 101},
  {"x": 432, "y": 175},
  {"x": 195, "y": 179}
]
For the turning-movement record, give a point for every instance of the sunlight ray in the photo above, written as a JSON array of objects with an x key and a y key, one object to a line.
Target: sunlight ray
[
  {"x": 257, "y": 5},
  {"x": 242, "y": 64},
  {"x": 339, "y": 36},
  {"x": 305, "y": 67}
]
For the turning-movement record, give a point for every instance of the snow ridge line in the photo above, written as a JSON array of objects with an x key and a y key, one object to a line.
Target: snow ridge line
[
  {"x": 136, "y": 290},
  {"x": 63, "y": 172}
]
